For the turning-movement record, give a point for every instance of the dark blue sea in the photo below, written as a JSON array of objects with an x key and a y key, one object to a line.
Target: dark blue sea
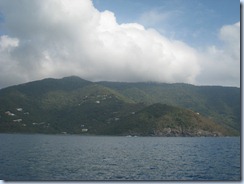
[{"x": 74, "y": 157}]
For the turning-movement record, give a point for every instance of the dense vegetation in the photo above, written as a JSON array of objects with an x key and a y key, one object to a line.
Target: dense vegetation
[
  {"x": 165, "y": 120},
  {"x": 74, "y": 105}
]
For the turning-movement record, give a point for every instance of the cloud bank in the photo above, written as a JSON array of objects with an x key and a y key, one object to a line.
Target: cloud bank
[
  {"x": 221, "y": 65},
  {"x": 56, "y": 38}
]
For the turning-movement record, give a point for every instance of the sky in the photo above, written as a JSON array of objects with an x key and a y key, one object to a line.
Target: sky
[{"x": 172, "y": 41}]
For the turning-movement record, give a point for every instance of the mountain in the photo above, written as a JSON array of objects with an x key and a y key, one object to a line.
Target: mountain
[
  {"x": 74, "y": 105},
  {"x": 165, "y": 120},
  {"x": 221, "y": 104},
  {"x": 68, "y": 105}
]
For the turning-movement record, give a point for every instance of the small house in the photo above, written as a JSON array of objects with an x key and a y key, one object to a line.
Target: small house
[
  {"x": 84, "y": 130},
  {"x": 17, "y": 120},
  {"x": 19, "y": 109}
]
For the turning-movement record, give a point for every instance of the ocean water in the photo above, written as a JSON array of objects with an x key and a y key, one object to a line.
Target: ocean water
[{"x": 73, "y": 157}]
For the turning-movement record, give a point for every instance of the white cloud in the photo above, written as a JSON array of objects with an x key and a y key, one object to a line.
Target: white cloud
[
  {"x": 7, "y": 43},
  {"x": 55, "y": 38},
  {"x": 221, "y": 65}
]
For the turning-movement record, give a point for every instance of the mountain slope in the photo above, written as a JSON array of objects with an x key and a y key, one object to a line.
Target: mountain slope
[
  {"x": 64, "y": 105},
  {"x": 222, "y": 104},
  {"x": 75, "y": 105},
  {"x": 165, "y": 120}
]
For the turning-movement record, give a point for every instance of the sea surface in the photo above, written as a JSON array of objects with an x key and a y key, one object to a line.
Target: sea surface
[{"x": 72, "y": 157}]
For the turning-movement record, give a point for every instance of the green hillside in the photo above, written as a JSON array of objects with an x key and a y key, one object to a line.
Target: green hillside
[
  {"x": 221, "y": 104},
  {"x": 74, "y": 105},
  {"x": 165, "y": 120}
]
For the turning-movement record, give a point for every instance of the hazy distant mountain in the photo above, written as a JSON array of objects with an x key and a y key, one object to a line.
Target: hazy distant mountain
[{"x": 74, "y": 105}]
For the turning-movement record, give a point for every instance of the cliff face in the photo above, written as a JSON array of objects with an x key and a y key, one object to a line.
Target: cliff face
[
  {"x": 174, "y": 132},
  {"x": 177, "y": 132}
]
